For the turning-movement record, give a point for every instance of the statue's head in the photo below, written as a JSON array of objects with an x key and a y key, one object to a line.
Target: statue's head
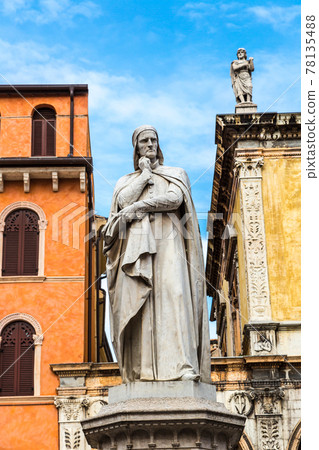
[
  {"x": 241, "y": 52},
  {"x": 140, "y": 136}
]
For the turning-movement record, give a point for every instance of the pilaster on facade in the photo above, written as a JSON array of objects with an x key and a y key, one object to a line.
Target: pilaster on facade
[
  {"x": 249, "y": 173},
  {"x": 268, "y": 412},
  {"x": 71, "y": 411},
  {"x": 82, "y": 392}
]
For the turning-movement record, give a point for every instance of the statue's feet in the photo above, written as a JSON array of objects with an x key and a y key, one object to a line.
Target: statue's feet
[{"x": 190, "y": 376}]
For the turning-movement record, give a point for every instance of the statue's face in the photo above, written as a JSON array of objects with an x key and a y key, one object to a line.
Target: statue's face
[
  {"x": 147, "y": 144},
  {"x": 241, "y": 54}
]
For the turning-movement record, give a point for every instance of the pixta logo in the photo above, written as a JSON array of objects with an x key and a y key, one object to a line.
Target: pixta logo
[{"x": 66, "y": 224}]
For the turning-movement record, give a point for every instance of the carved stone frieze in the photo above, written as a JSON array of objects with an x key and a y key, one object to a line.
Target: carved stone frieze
[
  {"x": 248, "y": 167},
  {"x": 71, "y": 408},
  {"x": 268, "y": 409},
  {"x": 271, "y": 134},
  {"x": 72, "y": 438},
  {"x": 267, "y": 401},
  {"x": 95, "y": 407},
  {"x": 240, "y": 403},
  {"x": 269, "y": 434},
  {"x": 263, "y": 342},
  {"x": 249, "y": 173}
]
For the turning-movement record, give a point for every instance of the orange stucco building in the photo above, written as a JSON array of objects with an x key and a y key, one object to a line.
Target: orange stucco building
[{"x": 47, "y": 278}]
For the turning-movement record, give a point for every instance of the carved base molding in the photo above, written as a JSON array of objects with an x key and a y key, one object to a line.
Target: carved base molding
[
  {"x": 260, "y": 338},
  {"x": 245, "y": 107},
  {"x": 164, "y": 422}
]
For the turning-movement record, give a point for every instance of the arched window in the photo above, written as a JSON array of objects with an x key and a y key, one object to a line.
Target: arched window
[
  {"x": 17, "y": 359},
  {"x": 43, "y": 132},
  {"x": 21, "y": 243}
]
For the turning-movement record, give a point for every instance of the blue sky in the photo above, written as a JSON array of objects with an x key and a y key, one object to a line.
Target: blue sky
[{"x": 164, "y": 63}]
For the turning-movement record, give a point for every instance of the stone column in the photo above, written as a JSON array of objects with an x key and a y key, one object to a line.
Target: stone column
[
  {"x": 37, "y": 339},
  {"x": 269, "y": 417},
  {"x": 71, "y": 411},
  {"x": 260, "y": 331}
]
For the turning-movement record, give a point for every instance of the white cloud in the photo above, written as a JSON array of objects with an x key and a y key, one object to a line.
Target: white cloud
[
  {"x": 196, "y": 10},
  {"x": 202, "y": 13},
  {"x": 277, "y": 16},
  {"x": 45, "y": 11},
  {"x": 11, "y": 6}
]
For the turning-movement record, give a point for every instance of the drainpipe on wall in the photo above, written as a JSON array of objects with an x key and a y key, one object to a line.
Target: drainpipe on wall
[
  {"x": 71, "y": 120},
  {"x": 91, "y": 218}
]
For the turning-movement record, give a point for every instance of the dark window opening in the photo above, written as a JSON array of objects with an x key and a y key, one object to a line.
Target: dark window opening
[
  {"x": 17, "y": 359},
  {"x": 43, "y": 132},
  {"x": 21, "y": 243}
]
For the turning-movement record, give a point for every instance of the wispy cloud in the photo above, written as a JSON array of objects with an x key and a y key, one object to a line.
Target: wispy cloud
[
  {"x": 202, "y": 13},
  {"x": 277, "y": 16},
  {"x": 45, "y": 11},
  {"x": 197, "y": 10}
]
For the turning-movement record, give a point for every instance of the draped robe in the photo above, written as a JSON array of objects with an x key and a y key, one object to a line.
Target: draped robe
[
  {"x": 156, "y": 282},
  {"x": 240, "y": 74}
]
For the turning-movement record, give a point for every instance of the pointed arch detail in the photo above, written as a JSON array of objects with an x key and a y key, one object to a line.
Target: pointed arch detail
[
  {"x": 245, "y": 443},
  {"x": 295, "y": 438}
]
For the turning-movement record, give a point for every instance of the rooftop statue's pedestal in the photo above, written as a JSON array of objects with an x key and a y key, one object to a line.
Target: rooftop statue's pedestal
[
  {"x": 174, "y": 414},
  {"x": 245, "y": 108}
]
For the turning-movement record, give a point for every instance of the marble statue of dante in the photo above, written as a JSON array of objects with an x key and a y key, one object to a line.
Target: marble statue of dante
[
  {"x": 240, "y": 74},
  {"x": 155, "y": 271}
]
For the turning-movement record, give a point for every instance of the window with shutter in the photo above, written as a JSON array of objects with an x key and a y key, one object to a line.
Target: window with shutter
[
  {"x": 43, "y": 132},
  {"x": 17, "y": 359},
  {"x": 21, "y": 243}
]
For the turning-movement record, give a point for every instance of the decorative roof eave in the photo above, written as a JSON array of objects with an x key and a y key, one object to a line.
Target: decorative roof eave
[
  {"x": 26, "y": 174},
  {"x": 42, "y": 89},
  {"x": 84, "y": 369},
  {"x": 48, "y": 161}
]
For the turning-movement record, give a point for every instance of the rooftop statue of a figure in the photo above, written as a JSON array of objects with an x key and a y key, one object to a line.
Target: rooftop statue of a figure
[
  {"x": 240, "y": 74},
  {"x": 155, "y": 271}
]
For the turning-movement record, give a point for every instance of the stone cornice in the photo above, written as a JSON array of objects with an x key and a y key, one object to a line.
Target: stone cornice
[
  {"x": 54, "y": 173},
  {"x": 277, "y": 152},
  {"x": 260, "y": 125},
  {"x": 254, "y": 360},
  {"x": 85, "y": 369},
  {"x": 40, "y": 279}
]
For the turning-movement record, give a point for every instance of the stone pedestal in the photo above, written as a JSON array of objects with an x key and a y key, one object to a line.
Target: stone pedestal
[
  {"x": 244, "y": 108},
  {"x": 164, "y": 415}
]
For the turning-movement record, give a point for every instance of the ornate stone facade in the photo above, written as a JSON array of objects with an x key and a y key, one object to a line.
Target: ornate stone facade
[{"x": 253, "y": 274}]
